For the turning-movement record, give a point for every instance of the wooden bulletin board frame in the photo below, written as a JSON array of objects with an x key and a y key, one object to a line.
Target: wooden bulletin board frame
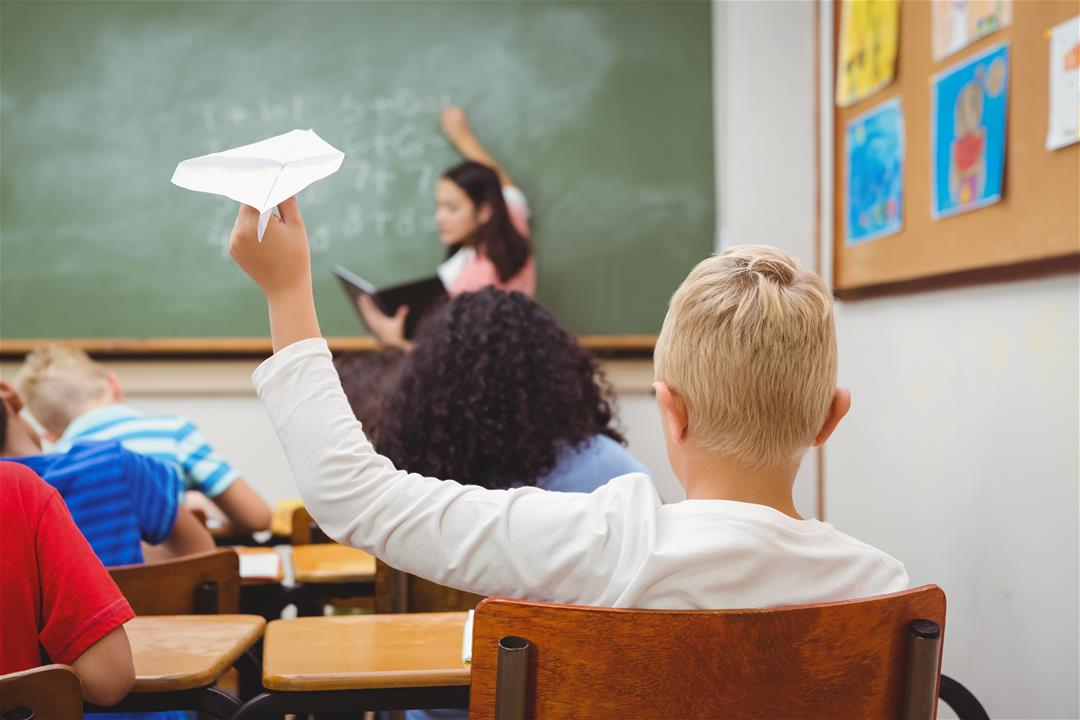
[{"x": 1035, "y": 228}]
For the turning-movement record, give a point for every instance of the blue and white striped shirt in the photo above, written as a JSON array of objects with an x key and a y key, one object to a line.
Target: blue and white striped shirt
[
  {"x": 115, "y": 496},
  {"x": 167, "y": 438}
]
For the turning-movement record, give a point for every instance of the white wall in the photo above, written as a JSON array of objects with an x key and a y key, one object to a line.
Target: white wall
[
  {"x": 764, "y": 77},
  {"x": 960, "y": 457}
]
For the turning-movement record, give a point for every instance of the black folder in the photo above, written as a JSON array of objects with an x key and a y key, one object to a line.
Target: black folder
[{"x": 419, "y": 295}]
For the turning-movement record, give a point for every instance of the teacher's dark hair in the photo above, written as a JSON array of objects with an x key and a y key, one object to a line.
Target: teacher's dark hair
[
  {"x": 493, "y": 391},
  {"x": 498, "y": 239}
]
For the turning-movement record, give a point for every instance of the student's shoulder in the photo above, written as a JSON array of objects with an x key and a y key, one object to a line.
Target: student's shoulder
[
  {"x": 94, "y": 451},
  {"x": 111, "y": 457},
  {"x": 21, "y": 485},
  {"x": 886, "y": 561}
]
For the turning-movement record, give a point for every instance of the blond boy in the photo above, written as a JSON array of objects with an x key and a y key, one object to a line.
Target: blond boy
[
  {"x": 76, "y": 399},
  {"x": 745, "y": 369}
]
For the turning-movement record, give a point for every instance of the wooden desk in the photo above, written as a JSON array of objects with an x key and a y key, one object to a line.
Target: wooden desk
[
  {"x": 178, "y": 657},
  {"x": 369, "y": 662},
  {"x": 282, "y": 520},
  {"x": 182, "y": 652},
  {"x": 332, "y": 563}
]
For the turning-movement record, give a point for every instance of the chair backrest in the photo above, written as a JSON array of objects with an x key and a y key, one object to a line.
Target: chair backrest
[
  {"x": 399, "y": 592},
  {"x": 205, "y": 583},
  {"x": 51, "y": 691},
  {"x": 830, "y": 660}
]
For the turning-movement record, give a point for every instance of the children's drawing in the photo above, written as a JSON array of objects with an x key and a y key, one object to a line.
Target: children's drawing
[
  {"x": 868, "y": 40},
  {"x": 955, "y": 24},
  {"x": 967, "y": 132},
  {"x": 874, "y": 174},
  {"x": 1064, "y": 123}
]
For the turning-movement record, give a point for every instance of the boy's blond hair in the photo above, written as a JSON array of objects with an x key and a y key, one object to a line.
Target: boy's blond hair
[
  {"x": 57, "y": 384},
  {"x": 749, "y": 344}
]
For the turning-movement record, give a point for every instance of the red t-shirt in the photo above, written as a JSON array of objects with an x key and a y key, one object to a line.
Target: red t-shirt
[{"x": 56, "y": 595}]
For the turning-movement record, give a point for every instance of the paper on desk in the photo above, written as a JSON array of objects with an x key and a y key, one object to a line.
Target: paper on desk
[
  {"x": 261, "y": 566},
  {"x": 466, "y": 639},
  {"x": 262, "y": 174}
]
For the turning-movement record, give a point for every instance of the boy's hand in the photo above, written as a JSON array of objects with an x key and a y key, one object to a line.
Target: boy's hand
[{"x": 281, "y": 263}]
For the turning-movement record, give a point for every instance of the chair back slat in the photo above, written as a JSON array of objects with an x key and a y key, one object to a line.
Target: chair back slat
[
  {"x": 51, "y": 691},
  {"x": 829, "y": 660},
  {"x": 398, "y": 592},
  {"x": 205, "y": 583}
]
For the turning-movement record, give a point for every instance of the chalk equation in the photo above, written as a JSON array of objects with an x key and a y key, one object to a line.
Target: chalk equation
[{"x": 388, "y": 184}]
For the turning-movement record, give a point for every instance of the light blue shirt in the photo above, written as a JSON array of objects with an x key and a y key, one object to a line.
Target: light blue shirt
[
  {"x": 590, "y": 465},
  {"x": 167, "y": 438}
]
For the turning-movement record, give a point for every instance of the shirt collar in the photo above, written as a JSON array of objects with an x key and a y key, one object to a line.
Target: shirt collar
[{"x": 91, "y": 421}]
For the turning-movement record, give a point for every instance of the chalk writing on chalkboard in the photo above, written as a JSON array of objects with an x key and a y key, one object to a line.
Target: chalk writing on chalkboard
[{"x": 386, "y": 139}]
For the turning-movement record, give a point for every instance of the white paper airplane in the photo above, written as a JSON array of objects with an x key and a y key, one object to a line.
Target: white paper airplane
[{"x": 262, "y": 174}]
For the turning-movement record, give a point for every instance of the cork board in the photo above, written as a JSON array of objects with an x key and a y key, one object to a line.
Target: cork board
[{"x": 1037, "y": 222}]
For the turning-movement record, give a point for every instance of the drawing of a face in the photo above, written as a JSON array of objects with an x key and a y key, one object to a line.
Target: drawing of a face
[{"x": 969, "y": 108}]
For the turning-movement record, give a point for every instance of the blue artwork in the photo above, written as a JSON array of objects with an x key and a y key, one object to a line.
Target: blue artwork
[
  {"x": 967, "y": 133},
  {"x": 874, "y": 176}
]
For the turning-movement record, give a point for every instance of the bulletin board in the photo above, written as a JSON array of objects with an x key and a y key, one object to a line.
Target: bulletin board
[{"x": 1034, "y": 228}]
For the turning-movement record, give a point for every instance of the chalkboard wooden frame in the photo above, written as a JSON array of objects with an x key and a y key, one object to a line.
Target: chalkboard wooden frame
[{"x": 604, "y": 345}]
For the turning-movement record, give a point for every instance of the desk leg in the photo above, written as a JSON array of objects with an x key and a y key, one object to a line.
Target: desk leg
[
  {"x": 211, "y": 701},
  {"x": 272, "y": 705}
]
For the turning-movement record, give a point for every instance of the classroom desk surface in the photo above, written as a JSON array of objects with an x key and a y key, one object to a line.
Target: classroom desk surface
[
  {"x": 184, "y": 652},
  {"x": 332, "y": 563},
  {"x": 360, "y": 652}
]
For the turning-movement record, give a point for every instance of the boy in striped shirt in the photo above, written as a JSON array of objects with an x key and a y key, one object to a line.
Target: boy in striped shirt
[
  {"x": 75, "y": 399},
  {"x": 117, "y": 498}
]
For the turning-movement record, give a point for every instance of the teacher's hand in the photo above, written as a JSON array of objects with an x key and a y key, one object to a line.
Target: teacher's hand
[{"x": 388, "y": 329}]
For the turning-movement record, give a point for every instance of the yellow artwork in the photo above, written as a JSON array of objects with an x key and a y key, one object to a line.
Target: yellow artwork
[{"x": 869, "y": 34}]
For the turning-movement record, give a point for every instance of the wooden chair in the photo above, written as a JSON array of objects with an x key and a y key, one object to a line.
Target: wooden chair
[
  {"x": 871, "y": 658},
  {"x": 199, "y": 584},
  {"x": 400, "y": 592},
  {"x": 305, "y": 531},
  {"x": 51, "y": 691}
]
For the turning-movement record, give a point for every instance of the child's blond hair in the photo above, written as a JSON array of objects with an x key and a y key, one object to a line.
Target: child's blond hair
[
  {"x": 57, "y": 384},
  {"x": 750, "y": 346}
]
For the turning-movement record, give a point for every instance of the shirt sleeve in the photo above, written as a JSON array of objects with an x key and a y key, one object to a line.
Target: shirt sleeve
[
  {"x": 155, "y": 493},
  {"x": 523, "y": 542},
  {"x": 204, "y": 469},
  {"x": 518, "y": 207},
  {"x": 80, "y": 602}
]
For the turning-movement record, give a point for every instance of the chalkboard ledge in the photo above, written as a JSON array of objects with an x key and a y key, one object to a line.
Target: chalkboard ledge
[{"x": 602, "y": 345}]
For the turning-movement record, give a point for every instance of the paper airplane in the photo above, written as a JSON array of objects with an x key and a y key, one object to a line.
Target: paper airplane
[{"x": 262, "y": 174}]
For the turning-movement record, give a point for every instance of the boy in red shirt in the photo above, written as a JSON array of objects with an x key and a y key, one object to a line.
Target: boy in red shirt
[{"x": 58, "y": 600}]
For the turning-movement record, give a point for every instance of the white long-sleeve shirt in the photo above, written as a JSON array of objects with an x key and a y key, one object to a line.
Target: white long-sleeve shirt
[{"x": 618, "y": 546}]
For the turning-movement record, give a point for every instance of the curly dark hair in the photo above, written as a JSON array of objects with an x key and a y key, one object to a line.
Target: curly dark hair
[{"x": 493, "y": 391}]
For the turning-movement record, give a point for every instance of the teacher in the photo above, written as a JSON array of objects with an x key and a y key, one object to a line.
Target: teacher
[{"x": 482, "y": 219}]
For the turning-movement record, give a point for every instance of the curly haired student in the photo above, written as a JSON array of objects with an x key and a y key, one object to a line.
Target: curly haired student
[{"x": 498, "y": 394}]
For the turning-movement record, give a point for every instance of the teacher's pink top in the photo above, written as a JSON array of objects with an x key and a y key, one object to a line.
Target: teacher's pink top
[{"x": 477, "y": 271}]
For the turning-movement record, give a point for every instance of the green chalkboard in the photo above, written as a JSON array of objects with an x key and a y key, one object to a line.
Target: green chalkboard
[{"x": 601, "y": 111}]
